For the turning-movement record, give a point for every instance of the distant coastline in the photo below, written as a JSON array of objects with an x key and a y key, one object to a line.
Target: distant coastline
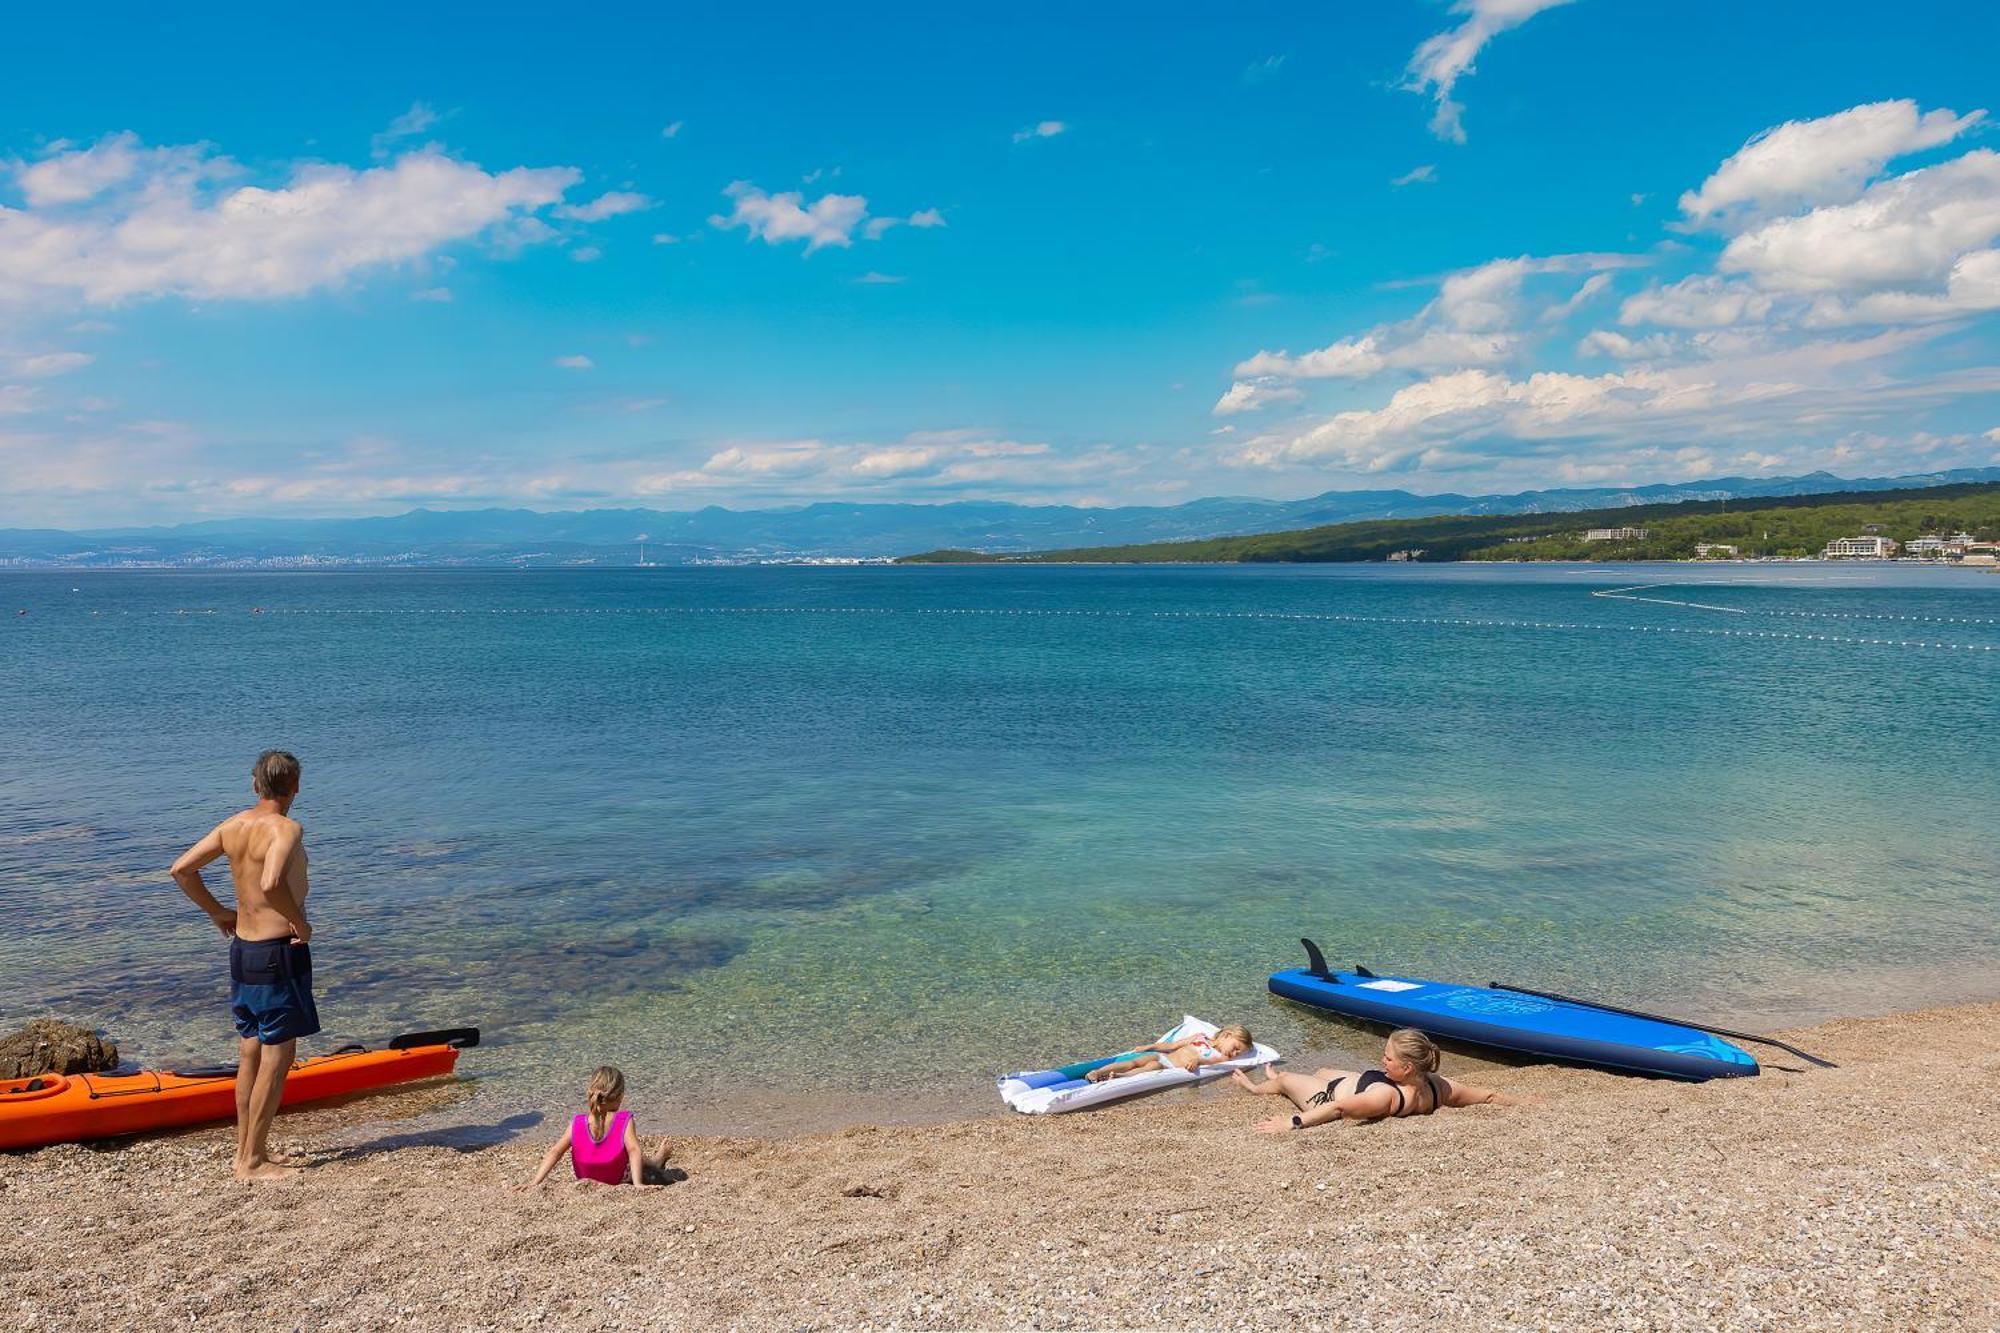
[{"x": 1956, "y": 524}]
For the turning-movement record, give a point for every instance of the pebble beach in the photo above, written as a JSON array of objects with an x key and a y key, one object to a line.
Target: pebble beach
[{"x": 1863, "y": 1197}]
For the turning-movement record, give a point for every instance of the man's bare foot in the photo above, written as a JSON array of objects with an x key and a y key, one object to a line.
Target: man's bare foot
[
  {"x": 264, "y": 1171},
  {"x": 666, "y": 1151}
]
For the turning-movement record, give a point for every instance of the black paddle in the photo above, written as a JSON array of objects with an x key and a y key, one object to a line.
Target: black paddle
[{"x": 1679, "y": 1022}]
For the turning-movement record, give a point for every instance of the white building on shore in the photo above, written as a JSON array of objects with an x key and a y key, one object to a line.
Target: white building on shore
[
  {"x": 1859, "y": 548},
  {"x": 1617, "y": 534}
]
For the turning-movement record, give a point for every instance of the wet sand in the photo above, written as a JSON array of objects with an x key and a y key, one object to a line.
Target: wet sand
[{"x": 1862, "y": 1197}]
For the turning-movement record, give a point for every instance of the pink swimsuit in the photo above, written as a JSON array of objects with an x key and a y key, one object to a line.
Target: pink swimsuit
[{"x": 601, "y": 1160}]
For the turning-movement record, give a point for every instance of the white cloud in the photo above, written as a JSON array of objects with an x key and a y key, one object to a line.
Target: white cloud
[
  {"x": 1438, "y": 64},
  {"x": 46, "y": 365},
  {"x": 419, "y": 118},
  {"x": 1263, "y": 71},
  {"x": 1608, "y": 342},
  {"x": 162, "y": 228},
  {"x": 1827, "y": 160},
  {"x": 71, "y": 176},
  {"x": 18, "y": 398},
  {"x": 672, "y": 130},
  {"x": 1703, "y": 301},
  {"x": 575, "y": 362},
  {"x": 1045, "y": 129},
  {"x": 1909, "y": 229},
  {"x": 586, "y": 254},
  {"x": 777, "y": 219},
  {"x": 1472, "y": 417},
  {"x": 874, "y": 279},
  {"x": 926, "y": 217},
  {"x": 1251, "y": 394},
  {"x": 665, "y": 238},
  {"x": 1475, "y": 320},
  {"x": 435, "y": 295},
  {"x": 1592, "y": 287},
  {"x": 1423, "y": 175},
  {"x": 611, "y": 204}
]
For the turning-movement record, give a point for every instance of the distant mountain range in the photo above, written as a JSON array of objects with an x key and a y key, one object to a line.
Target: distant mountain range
[{"x": 501, "y": 537}]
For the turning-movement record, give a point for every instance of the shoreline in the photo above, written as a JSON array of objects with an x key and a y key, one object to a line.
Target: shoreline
[{"x": 1857, "y": 1197}]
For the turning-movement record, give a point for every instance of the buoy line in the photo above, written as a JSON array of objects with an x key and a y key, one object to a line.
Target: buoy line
[
  {"x": 1621, "y": 595},
  {"x": 1322, "y": 617}
]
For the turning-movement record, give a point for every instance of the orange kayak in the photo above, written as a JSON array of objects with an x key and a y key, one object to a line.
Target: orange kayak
[{"x": 69, "y": 1108}]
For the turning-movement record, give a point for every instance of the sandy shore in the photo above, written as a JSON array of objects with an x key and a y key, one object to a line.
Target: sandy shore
[{"x": 1862, "y": 1197}]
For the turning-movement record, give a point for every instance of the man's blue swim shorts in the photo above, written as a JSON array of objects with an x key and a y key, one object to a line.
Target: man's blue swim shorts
[{"x": 270, "y": 990}]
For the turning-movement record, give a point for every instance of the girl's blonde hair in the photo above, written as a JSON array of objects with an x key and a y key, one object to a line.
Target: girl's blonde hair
[
  {"x": 1238, "y": 1031},
  {"x": 1413, "y": 1046},
  {"x": 607, "y": 1089}
]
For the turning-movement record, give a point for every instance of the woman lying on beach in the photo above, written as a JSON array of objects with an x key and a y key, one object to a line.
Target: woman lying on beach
[
  {"x": 1189, "y": 1053},
  {"x": 602, "y": 1143},
  {"x": 1407, "y": 1084}
]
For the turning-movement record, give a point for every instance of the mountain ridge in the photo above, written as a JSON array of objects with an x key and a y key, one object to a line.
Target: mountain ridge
[{"x": 825, "y": 529}]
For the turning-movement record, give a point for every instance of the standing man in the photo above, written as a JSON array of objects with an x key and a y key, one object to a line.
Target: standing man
[{"x": 270, "y": 967}]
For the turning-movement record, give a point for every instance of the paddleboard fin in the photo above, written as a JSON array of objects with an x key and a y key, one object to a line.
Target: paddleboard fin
[
  {"x": 1361, "y": 971},
  {"x": 1316, "y": 962}
]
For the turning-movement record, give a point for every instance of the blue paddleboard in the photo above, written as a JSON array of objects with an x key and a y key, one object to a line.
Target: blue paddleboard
[{"x": 1513, "y": 1021}]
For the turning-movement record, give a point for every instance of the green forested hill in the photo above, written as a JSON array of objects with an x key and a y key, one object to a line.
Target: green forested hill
[{"x": 1792, "y": 526}]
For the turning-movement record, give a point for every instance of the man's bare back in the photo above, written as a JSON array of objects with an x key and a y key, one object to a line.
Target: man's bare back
[
  {"x": 270, "y": 965},
  {"x": 248, "y": 840}
]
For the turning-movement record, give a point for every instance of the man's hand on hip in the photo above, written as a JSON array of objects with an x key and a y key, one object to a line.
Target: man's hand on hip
[{"x": 225, "y": 921}]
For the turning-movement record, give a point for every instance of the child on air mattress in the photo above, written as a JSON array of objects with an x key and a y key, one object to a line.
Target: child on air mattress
[
  {"x": 1189, "y": 1053},
  {"x": 603, "y": 1143}
]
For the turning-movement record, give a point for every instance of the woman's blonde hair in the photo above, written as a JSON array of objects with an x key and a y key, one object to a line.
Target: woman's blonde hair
[
  {"x": 607, "y": 1089},
  {"x": 1413, "y": 1046}
]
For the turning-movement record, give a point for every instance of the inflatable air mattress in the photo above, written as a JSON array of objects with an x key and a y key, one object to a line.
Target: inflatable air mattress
[{"x": 1049, "y": 1091}]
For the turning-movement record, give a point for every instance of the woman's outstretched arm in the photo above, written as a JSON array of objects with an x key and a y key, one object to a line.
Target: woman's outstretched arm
[{"x": 1465, "y": 1094}]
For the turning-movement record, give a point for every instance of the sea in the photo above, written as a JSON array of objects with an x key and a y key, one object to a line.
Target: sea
[{"x": 800, "y": 847}]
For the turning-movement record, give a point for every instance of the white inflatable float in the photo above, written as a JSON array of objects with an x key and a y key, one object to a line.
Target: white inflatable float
[{"x": 1049, "y": 1091}]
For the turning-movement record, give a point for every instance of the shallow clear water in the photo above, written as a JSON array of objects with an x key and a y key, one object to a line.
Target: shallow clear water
[{"x": 775, "y": 839}]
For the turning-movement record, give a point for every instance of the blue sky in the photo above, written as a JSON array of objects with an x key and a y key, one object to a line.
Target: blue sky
[{"x": 356, "y": 264}]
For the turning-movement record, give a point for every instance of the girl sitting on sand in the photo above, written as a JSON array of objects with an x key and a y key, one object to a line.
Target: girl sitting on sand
[
  {"x": 1407, "y": 1084},
  {"x": 602, "y": 1143},
  {"x": 1189, "y": 1053}
]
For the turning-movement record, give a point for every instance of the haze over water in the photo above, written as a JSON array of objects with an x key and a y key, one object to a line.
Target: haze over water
[{"x": 857, "y": 839}]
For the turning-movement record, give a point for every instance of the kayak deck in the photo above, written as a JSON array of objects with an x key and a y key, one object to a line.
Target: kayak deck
[{"x": 72, "y": 1108}]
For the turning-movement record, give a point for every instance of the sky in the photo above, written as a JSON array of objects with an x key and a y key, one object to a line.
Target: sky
[{"x": 361, "y": 260}]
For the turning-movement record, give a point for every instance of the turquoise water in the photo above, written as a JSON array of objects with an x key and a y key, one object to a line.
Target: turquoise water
[{"x": 861, "y": 837}]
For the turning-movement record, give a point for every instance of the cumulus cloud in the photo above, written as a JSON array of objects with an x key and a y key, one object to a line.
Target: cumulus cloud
[
  {"x": 1443, "y": 59},
  {"x": 1908, "y": 230},
  {"x": 45, "y": 365},
  {"x": 777, "y": 219},
  {"x": 1475, "y": 319},
  {"x": 1827, "y": 160},
  {"x": 1251, "y": 394},
  {"x": 1044, "y": 129},
  {"x": 134, "y": 223},
  {"x": 1473, "y": 417},
  {"x": 611, "y": 204}
]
